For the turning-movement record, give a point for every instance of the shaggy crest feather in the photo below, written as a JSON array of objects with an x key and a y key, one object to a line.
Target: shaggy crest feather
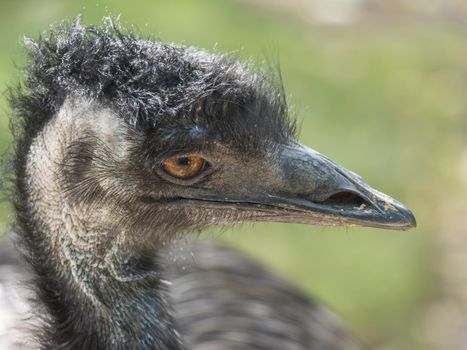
[{"x": 145, "y": 81}]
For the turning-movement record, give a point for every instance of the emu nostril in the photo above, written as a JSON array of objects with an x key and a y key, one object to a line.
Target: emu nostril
[{"x": 346, "y": 198}]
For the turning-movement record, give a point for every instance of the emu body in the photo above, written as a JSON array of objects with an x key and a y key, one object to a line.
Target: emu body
[{"x": 101, "y": 112}]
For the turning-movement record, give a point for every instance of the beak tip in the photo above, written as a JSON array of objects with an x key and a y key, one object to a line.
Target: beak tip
[
  {"x": 411, "y": 221},
  {"x": 406, "y": 218}
]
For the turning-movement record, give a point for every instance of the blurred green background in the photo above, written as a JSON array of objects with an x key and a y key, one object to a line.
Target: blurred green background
[{"x": 378, "y": 87}]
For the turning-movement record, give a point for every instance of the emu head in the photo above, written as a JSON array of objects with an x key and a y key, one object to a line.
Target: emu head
[
  {"x": 153, "y": 139},
  {"x": 223, "y": 164}
]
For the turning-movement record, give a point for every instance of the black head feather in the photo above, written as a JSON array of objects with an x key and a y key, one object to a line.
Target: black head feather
[{"x": 148, "y": 82}]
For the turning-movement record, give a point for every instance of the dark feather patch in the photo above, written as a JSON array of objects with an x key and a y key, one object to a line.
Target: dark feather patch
[{"x": 145, "y": 81}]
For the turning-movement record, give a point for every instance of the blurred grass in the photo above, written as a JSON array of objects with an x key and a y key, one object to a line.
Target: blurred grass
[{"x": 383, "y": 99}]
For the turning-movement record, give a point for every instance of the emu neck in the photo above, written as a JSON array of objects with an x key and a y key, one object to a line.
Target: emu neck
[{"x": 91, "y": 277}]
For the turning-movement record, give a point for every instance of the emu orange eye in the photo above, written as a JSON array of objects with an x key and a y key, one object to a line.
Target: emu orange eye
[{"x": 184, "y": 167}]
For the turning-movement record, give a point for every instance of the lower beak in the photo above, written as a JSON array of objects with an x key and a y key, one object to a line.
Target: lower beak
[{"x": 342, "y": 209}]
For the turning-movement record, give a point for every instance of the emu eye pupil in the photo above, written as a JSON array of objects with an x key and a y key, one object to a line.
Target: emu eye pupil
[
  {"x": 185, "y": 167},
  {"x": 184, "y": 161}
]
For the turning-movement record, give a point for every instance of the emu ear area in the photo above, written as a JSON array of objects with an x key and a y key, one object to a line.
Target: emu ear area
[{"x": 298, "y": 185}]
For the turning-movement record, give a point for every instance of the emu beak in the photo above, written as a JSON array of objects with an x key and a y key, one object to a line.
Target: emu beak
[{"x": 313, "y": 189}]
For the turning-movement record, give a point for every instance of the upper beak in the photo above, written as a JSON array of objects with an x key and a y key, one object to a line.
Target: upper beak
[{"x": 313, "y": 189}]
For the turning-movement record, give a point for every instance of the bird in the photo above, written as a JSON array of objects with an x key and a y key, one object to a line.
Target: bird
[{"x": 127, "y": 146}]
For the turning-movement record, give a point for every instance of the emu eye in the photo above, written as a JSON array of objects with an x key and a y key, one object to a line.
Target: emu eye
[{"x": 186, "y": 167}]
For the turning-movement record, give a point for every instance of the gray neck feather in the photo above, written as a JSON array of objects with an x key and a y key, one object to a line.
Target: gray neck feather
[{"x": 94, "y": 257}]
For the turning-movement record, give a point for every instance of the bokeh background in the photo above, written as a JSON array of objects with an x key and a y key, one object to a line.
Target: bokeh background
[{"x": 379, "y": 86}]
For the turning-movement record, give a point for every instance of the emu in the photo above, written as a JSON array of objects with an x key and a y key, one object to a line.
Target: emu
[{"x": 126, "y": 145}]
